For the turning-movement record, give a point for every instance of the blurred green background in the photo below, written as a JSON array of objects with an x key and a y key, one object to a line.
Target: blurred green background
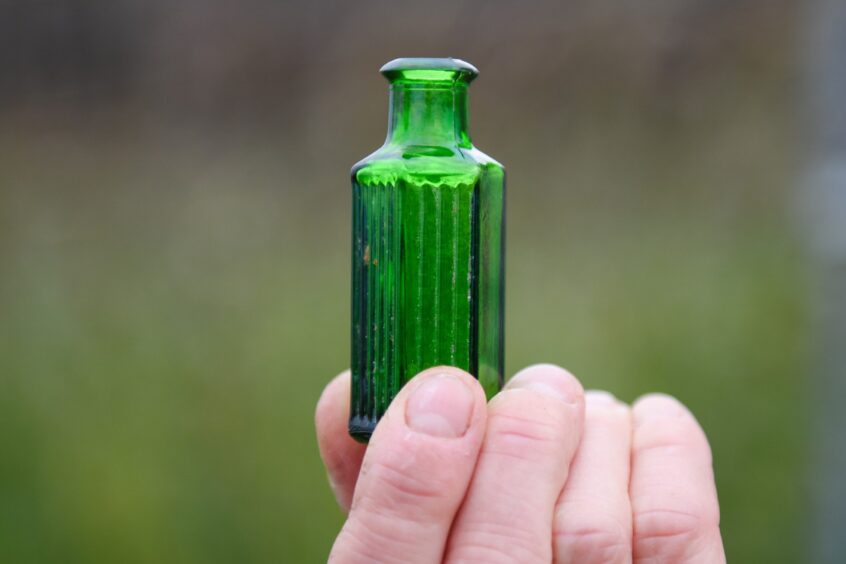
[{"x": 174, "y": 249}]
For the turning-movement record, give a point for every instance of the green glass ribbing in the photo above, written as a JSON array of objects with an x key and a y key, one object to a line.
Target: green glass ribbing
[{"x": 427, "y": 253}]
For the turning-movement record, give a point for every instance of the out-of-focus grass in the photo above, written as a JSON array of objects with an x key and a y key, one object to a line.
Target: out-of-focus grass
[{"x": 168, "y": 319}]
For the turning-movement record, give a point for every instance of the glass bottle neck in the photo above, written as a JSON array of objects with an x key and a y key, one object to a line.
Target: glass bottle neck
[{"x": 427, "y": 114}]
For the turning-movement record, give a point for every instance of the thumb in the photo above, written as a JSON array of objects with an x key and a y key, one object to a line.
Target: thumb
[{"x": 416, "y": 471}]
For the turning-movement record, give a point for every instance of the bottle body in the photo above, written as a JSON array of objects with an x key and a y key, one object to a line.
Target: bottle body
[{"x": 427, "y": 270}]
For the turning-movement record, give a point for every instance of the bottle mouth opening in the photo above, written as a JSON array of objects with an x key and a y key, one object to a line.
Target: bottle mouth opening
[{"x": 429, "y": 70}]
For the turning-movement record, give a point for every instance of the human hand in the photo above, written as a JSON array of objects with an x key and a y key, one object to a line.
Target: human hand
[{"x": 544, "y": 472}]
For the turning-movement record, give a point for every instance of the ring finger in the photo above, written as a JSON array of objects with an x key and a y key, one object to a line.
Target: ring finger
[{"x": 593, "y": 518}]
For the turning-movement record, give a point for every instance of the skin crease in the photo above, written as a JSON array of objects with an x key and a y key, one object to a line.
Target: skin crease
[{"x": 544, "y": 472}]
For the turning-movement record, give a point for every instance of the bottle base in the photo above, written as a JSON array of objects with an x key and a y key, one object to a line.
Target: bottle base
[{"x": 361, "y": 428}]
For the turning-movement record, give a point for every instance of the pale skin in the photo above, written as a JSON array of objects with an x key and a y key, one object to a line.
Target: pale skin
[{"x": 544, "y": 472}]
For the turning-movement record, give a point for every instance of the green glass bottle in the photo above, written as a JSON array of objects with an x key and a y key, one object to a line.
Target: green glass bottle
[{"x": 427, "y": 244}]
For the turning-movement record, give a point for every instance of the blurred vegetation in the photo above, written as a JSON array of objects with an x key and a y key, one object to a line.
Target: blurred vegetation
[{"x": 174, "y": 241}]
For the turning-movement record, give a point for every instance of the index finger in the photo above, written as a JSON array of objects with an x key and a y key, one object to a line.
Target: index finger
[{"x": 341, "y": 454}]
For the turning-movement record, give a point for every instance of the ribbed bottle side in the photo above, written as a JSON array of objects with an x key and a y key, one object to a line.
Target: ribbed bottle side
[
  {"x": 415, "y": 288},
  {"x": 491, "y": 279},
  {"x": 375, "y": 301}
]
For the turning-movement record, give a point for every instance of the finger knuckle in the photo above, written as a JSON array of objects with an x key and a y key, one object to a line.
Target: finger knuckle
[
  {"x": 495, "y": 542},
  {"x": 600, "y": 541},
  {"x": 671, "y": 440},
  {"x": 365, "y": 545},
  {"x": 664, "y": 532},
  {"x": 402, "y": 484},
  {"x": 522, "y": 436},
  {"x": 497, "y": 555}
]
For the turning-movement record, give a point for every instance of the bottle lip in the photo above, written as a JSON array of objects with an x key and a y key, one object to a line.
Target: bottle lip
[{"x": 427, "y": 69}]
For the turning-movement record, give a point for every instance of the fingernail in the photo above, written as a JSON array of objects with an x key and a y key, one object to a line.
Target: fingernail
[
  {"x": 548, "y": 380},
  {"x": 441, "y": 406}
]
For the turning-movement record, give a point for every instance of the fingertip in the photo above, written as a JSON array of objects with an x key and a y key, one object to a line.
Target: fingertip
[
  {"x": 549, "y": 379},
  {"x": 603, "y": 406},
  {"x": 600, "y": 397},
  {"x": 659, "y": 405},
  {"x": 334, "y": 397},
  {"x": 666, "y": 416}
]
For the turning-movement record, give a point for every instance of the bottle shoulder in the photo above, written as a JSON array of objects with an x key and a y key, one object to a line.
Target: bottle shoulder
[
  {"x": 483, "y": 159},
  {"x": 424, "y": 164}
]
